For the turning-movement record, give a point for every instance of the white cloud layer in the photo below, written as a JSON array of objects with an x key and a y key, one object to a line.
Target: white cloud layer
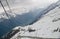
[
  {"x": 35, "y": 3},
  {"x": 25, "y": 5}
]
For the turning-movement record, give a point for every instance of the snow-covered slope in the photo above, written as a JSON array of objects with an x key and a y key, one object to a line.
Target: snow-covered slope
[
  {"x": 47, "y": 27},
  {"x": 7, "y": 24}
]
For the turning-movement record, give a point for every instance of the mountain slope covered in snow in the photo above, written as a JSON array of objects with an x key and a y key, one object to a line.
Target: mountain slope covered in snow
[
  {"x": 44, "y": 21},
  {"x": 47, "y": 27}
]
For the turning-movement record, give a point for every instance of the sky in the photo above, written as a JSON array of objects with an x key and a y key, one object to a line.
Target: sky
[
  {"x": 26, "y": 5},
  {"x": 35, "y": 3}
]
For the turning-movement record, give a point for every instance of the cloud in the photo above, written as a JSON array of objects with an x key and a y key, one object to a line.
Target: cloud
[
  {"x": 26, "y": 5},
  {"x": 34, "y": 3}
]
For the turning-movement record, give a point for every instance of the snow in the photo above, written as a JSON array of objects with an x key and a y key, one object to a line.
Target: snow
[
  {"x": 44, "y": 27},
  {"x": 20, "y": 7}
]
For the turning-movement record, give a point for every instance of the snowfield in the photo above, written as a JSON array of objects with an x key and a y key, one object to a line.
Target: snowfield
[{"x": 46, "y": 27}]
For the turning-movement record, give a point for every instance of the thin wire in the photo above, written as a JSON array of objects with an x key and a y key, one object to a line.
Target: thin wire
[
  {"x": 8, "y": 6},
  {"x": 3, "y": 8}
]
